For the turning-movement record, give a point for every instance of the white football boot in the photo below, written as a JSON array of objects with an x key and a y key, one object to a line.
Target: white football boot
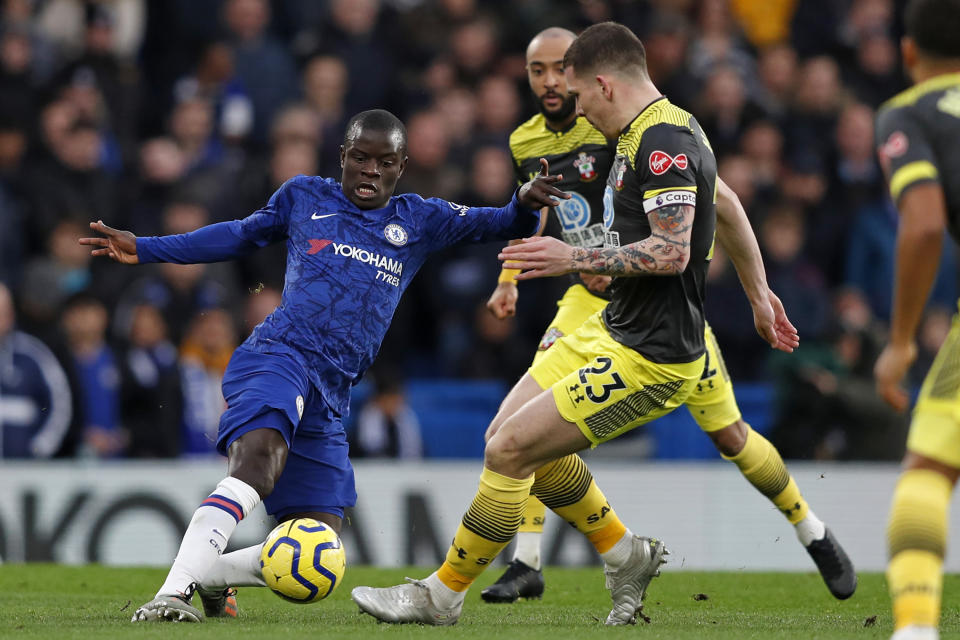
[
  {"x": 628, "y": 582},
  {"x": 409, "y": 602}
]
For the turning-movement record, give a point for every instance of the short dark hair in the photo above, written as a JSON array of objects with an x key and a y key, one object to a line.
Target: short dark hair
[
  {"x": 606, "y": 46},
  {"x": 934, "y": 25},
  {"x": 375, "y": 120}
]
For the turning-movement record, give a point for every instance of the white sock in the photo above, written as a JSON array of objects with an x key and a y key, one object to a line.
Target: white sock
[
  {"x": 810, "y": 528},
  {"x": 443, "y": 596},
  {"x": 619, "y": 552},
  {"x": 239, "y": 568},
  {"x": 528, "y": 548},
  {"x": 210, "y": 528}
]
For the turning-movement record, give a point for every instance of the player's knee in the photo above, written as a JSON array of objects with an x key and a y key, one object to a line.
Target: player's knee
[
  {"x": 505, "y": 454},
  {"x": 731, "y": 439},
  {"x": 258, "y": 461}
]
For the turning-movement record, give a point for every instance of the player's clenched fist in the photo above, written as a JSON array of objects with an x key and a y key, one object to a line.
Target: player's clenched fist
[
  {"x": 503, "y": 301},
  {"x": 117, "y": 244}
]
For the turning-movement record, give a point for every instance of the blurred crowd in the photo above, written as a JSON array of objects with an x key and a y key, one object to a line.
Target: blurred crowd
[{"x": 162, "y": 116}]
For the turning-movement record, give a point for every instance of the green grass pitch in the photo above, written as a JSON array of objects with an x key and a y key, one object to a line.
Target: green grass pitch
[{"x": 49, "y": 601}]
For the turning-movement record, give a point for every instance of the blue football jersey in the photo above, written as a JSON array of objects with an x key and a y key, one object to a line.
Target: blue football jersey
[{"x": 346, "y": 267}]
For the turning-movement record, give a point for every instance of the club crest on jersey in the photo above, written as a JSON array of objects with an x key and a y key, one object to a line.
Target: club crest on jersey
[
  {"x": 584, "y": 165},
  {"x": 552, "y": 335},
  {"x": 896, "y": 145},
  {"x": 621, "y": 170},
  {"x": 660, "y": 162},
  {"x": 395, "y": 235}
]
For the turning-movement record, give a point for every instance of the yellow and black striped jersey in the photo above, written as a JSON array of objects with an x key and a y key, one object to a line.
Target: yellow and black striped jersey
[
  {"x": 582, "y": 156},
  {"x": 917, "y": 133},
  {"x": 663, "y": 158}
]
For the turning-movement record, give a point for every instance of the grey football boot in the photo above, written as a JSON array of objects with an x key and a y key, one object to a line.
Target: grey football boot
[
  {"x": 169, "y": 608},
  {"x": 628, "y": 583},
  {"x": 403, "y": 603}
]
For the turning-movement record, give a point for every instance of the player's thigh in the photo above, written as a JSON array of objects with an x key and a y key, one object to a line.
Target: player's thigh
[
  {"x": 262, "y": 391},
  {"x": 318, "y": 476},
  {"x": 935, "y": 428},
  {"x": 616, "y": 389},
  {"x": 711, "y": 402},
  {"x": 575, "y": 307},
  {"x": 533, "y": 436},
  {"x": 525, "y": 390}
]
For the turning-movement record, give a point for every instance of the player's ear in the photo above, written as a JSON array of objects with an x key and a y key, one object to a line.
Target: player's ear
[
  {"x": 605, "y": 87},
  {"x": 403, "y": 165},
  {"x": 908, "y": 49},
  {"x": 343, "y": 155}
]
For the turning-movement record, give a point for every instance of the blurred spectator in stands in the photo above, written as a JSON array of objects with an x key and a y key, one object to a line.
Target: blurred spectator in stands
[
  {"x": 52, "y": 278},
  {"x": 191, "y": 128},
  {"x": 110, "y": 79},
  {"x": 725, "y": 110},
  {"x": 762, "y": 144},
  {"x": 204, "y": 354},
  {"x": 386, "y": 426},
  {"x": 20, "y": 91},
  {"x": 151, "y": 401},
  {"x": 870, "y": 256},
  {"x": 215, "y": 81},
  {"x": 498, "y": 109},
  {"x": 162, "y": 167},
  {"x": 325, "y": 84},
  {"x": 428, "y": 172},
  {"x": 877, "y": 75},
  {"x": 816, "y": 106},
  {"x": 777, "y": 69},
  {"x": 666, "y": 46},
  {"x": 827, "y": 407},
  {"x": 855, "y": 181},
  {"x": 934, "y": 328},
  {"x": 492, "y": 178},
  {"x": 720, "y": 43},
  {"x": 739, "y": 174},
  {"x": 799, "y": 283},
  {"x": 458, "y": 108},
  {"x": 352, "y": 34},
  {"x": 263, "y": 64},
  {"x": 36, "y": 404},
  {"x": 96, "y": 375},
  {"x": 13, "y": 200},
  {"x": 816, "y": 25},
  {"x": 70, "y": 181},
  {"x": 729, "y": 314},
  {"x": 260, "y": 304},
  {"x": 474, "y": 47},
  {"x": 17, "y": 16}
]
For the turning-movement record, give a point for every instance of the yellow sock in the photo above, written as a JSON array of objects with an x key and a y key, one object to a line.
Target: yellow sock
[
  {"x": 488, "y": 525},
  {"x": 533, "y": 516},
  {"x": 761, "y": 464},
  {"x": 568, "y": 488},
  {"x": 916, "y": 541}
]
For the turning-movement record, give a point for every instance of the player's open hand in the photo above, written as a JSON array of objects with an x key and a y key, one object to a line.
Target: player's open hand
[
  {"x": 539, "y": 257},
  {"x": 503, "y": 302},
  {"x": 540, "y": 191},
  {"x": 116, "y": 244},
  {"x": 891, "y": 367},
  {"x": 787, "y": 338}
]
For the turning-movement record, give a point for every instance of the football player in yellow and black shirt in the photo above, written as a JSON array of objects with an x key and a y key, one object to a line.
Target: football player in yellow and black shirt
[
  {"x": 917, "y": 133},
  {"x": 578, "y": 152},
  {"x": 622, "y": 368}
]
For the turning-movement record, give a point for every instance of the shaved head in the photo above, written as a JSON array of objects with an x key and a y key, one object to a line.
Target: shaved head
[{"x": 550, "y": 33}]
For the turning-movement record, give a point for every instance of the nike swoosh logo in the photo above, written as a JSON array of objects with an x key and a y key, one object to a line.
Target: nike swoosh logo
[{"x": 317, "y": 217}]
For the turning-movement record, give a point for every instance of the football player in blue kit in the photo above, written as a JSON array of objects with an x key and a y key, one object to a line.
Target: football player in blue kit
[{"x": 353, "y": 247}]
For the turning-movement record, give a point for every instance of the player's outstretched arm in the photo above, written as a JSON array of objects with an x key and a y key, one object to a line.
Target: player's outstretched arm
[
  {"x": 739, "y": 242},
  {"x": 923, "y": 219},
  {"x": 540, "y": 192},
  {"x": 116, "y": 244},
  {"x": 665, "y": 252}
]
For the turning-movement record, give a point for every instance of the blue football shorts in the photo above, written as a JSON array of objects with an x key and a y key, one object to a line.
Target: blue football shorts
[{"x": 267, "y": 390}]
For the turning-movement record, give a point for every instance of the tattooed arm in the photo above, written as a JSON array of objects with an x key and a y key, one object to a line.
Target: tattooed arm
[{"x": 665, "y": 252}]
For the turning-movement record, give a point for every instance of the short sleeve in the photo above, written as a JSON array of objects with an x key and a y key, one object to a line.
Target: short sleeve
[
  {"x": 904, "y": 150},
  {"x": 665, "y": 164}
]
